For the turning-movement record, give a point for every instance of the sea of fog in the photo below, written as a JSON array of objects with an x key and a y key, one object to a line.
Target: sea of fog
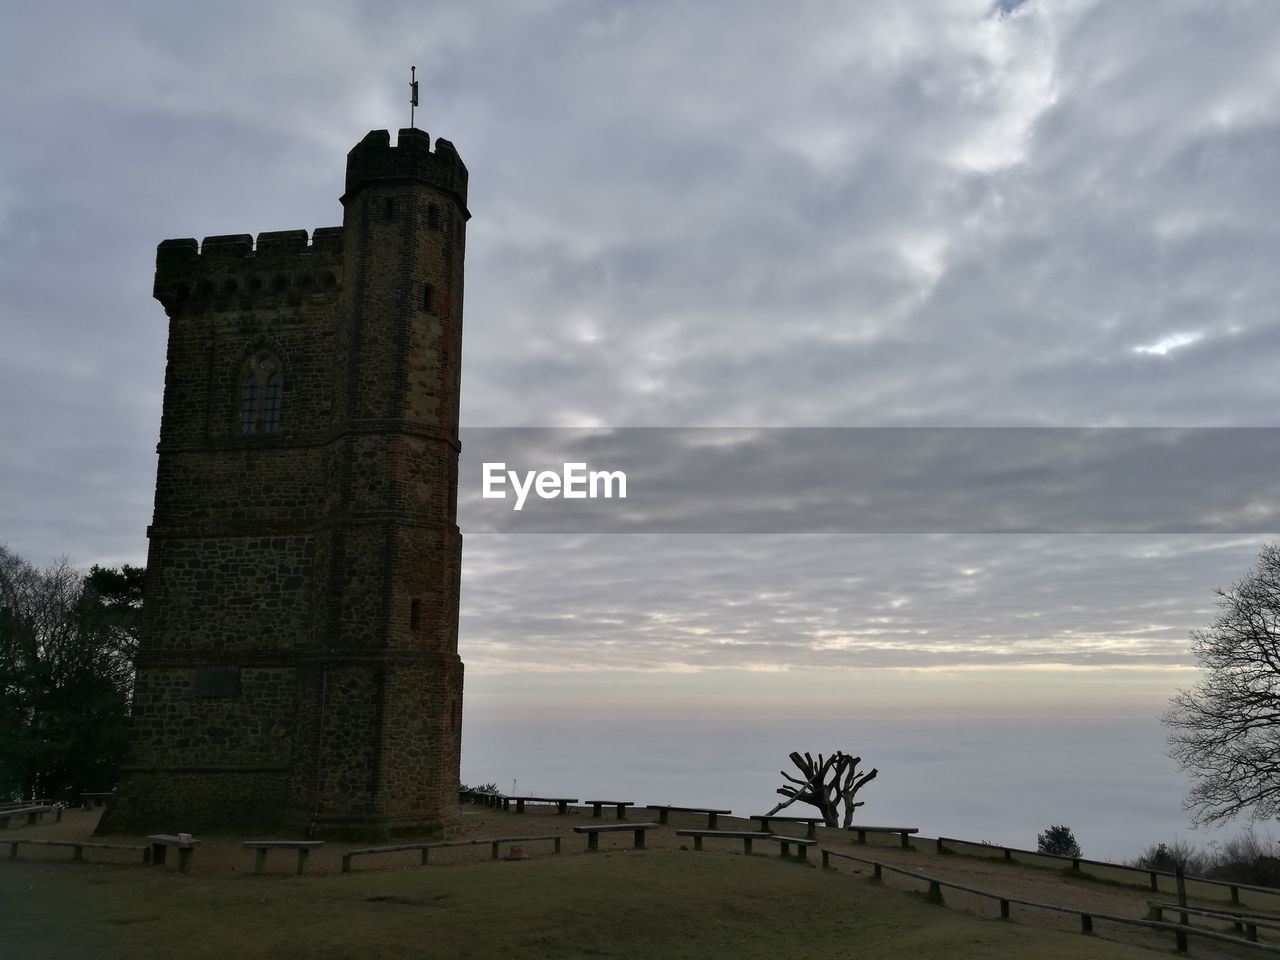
[{"x": 1002, "y": 781}]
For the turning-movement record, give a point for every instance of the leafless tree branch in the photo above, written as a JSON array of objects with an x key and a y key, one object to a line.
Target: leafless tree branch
[{"x": 826, "y": 784}]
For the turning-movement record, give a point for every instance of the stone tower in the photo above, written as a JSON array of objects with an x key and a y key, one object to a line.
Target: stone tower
[{"x": 298, "y": 664}]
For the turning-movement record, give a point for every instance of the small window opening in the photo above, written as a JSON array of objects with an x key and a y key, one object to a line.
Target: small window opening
[
  {"x": 261, "y": 395},
  {"x": 415, "y": 614},
  {"x": 433, "y": 216},
  {"x": 428, "y": 297}
]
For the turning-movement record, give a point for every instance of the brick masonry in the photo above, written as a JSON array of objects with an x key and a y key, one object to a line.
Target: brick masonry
[{"x": 298, "y": 666}]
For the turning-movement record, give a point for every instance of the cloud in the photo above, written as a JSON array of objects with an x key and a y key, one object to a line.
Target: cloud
[
  {"x": 1173, "y": 341},
  {"x": 935, "y": 214},
  {"x": 781, "y": 603}
]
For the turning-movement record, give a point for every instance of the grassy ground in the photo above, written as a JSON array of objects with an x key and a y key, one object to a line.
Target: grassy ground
[{"x": 666, "y": 903}]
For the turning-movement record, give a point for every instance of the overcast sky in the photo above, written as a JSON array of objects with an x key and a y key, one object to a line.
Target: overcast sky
[{"x": 941, "y": 214}]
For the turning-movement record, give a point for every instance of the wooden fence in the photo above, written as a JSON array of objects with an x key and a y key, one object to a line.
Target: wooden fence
[
  {"x": 936, "y": 885},
  {"x": 1153, "y": 876}
]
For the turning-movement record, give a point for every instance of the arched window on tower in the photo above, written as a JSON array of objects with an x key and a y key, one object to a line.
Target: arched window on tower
[{"x": 261, "y": 394}]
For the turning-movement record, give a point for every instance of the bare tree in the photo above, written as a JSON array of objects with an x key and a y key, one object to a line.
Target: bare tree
[
  {"x": 826, "y": 784},
  {"x": 1226, "y": 729}
]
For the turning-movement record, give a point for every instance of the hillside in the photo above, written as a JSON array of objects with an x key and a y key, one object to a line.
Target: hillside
[{"x": 663, "y": 901}]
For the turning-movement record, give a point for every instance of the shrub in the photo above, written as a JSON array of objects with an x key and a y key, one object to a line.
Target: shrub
[
  {"x": 1170, "y": 856},
  {"x": 1247, "y": 859},
  {"x": 1059, "y": 841}
]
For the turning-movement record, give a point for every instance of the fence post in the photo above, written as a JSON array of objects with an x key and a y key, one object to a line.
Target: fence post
[
  {"x": 1155, "y": 882},
  {"x": 346, "y": 863},
  {"x": 939, "y": 846},
  {"x": 826, "y": 859},
  {"x": 875, "y": 873},
  {"x": 1180, "y": 936},
  {"x": 935, "y": 891},
  {"x": 1180, "y": 940},
  {"x": 1004, "y": 909}
]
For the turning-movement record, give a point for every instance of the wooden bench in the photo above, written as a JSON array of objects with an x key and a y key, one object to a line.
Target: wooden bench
[
  {"x": 263, "y": 847},
  {"x": 562, "y": 803},
  {"x": 493, "y": 854},
  {"x": 764, "y": 819},
  {"x": 664, "y": 809},
  {"x": 481, "y": 797},
  {"x": 621, "y": 805},
  {"x": 33, "y": 815},
  {"x": 78, "y": 847},
  {"x": 160, "y": 844},
  {"x": 862, "y": 832},
  {"x": 746, "y": 836},
  {"x": 18, "y": 812},
  {"x": 90, "y": 800},
  {"x": 426, "y": 848},
  {"x": 802, "y": 845},
  {"x": 593, "y": 832}
]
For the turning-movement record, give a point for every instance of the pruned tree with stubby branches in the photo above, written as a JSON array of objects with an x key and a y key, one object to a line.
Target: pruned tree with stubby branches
[
  {"x": 1226, "y": 729},
  {"x": 826, "y": 783}
]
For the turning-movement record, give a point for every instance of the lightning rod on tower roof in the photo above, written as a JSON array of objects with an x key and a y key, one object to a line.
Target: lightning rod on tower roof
[{"x": 413, "y": 93}]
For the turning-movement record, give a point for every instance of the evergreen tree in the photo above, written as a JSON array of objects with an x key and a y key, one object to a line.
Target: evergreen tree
[{"x": 1059, "y": 841}]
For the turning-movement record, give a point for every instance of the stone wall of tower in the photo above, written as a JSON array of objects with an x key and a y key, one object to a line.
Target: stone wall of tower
[{"x": 298, "y": 662}]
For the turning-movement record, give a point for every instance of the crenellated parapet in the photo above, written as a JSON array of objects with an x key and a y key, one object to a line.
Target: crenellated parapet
[
  {"x": 230, "y": 272},
  {"x": 373, "y": 161}
]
